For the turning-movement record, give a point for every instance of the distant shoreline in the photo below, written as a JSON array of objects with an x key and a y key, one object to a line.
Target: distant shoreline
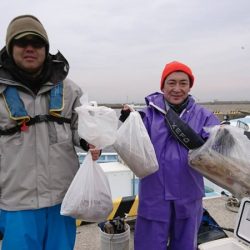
[
  {"x": 118, "y": 105},
  {"x": 234, "y": 109}
]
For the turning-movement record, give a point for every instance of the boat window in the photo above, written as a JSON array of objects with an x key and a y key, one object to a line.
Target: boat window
[
  {"x": 112, "y": 157},
  {"x": 101, "y": 158},
  {"x": 81, "y": 158}
]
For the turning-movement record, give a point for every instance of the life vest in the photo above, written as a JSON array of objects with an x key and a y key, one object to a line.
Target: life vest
[{"x": 17, "y": 111}]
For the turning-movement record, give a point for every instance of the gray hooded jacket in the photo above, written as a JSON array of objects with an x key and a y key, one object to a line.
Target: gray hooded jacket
[{"x": 38, "y": 165}]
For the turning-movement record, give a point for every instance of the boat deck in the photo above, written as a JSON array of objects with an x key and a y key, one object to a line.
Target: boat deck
[{"x": 88, "y": 237}]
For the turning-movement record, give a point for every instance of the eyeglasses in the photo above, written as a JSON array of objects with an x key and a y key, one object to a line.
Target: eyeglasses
[{"x": 34, "y": 42}]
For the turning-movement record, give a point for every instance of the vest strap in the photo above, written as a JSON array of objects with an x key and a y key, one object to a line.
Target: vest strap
[
  {"x": 183, "y": 132},
  {"x": 34, "y": 120}
]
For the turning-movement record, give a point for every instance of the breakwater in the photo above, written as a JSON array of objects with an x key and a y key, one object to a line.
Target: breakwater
[{"x": 233, "y": 109}]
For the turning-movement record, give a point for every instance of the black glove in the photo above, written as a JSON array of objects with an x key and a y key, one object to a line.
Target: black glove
[
  {"x": 84, "y": 145},
  {"x": 124, "y": 114}
]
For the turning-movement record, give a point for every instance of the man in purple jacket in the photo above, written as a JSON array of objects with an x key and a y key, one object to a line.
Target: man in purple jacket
[{"x": 170, "y": 200}]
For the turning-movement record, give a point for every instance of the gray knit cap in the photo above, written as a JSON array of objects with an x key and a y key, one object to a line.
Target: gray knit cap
[{"x": 25, "y": 25}]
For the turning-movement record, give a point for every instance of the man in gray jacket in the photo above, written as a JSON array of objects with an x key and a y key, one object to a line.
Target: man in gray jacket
[{"x": 38, "y": 132}]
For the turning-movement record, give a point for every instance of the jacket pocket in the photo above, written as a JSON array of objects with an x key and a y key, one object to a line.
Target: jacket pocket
[{"x": 59, "y": 132}]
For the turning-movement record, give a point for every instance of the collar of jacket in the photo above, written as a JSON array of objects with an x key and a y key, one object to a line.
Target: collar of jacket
[
  {"x": 178, "y": 108},
  {"x": 159, "y": 100}
]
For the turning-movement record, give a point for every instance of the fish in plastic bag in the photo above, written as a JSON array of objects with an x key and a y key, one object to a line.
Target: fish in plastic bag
[
  {"x": 225, "y": 159},
  {"x": 135, "y": 147}
]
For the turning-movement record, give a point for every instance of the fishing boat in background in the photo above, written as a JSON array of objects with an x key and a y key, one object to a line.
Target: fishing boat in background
[{"x": 243, "y": 122}]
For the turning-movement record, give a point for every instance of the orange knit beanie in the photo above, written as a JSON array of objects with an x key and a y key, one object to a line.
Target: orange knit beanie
[{"x": 176, "y": 66}]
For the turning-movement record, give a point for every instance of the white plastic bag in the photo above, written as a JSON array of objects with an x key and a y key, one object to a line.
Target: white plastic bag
[
  {"x": 88, "y": 197},
  {"x": 225, "y": 159},
  {"x": 97, "y": 125},
  {"x": 135, "y": 147}
]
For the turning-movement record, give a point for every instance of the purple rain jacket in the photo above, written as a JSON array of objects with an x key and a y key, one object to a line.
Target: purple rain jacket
[{"x": 175, "y": 179}]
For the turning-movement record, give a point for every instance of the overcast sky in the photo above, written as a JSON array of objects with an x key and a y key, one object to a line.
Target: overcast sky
[{"x": 117, "y": 49}]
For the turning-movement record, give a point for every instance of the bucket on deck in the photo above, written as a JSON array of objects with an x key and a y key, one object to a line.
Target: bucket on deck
[{"x": 115, "y": 241}]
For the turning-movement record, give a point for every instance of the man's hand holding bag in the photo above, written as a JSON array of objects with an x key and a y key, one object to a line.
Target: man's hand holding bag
[{"x": 88, "y": 197}]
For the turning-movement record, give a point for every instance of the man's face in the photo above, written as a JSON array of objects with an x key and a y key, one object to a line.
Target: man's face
[
  {"x": 29, "y": 54},
  {"x": 176, "y": 87}
]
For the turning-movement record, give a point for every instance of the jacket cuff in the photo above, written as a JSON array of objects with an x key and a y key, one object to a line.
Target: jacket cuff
[{"x": 84, "y": 145}]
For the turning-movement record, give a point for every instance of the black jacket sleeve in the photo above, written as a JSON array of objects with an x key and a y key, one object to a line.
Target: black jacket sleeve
[{"x": 84, "y": 145}]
